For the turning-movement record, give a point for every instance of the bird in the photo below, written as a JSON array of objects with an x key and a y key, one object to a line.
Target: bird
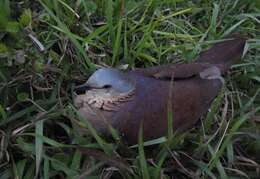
[{"x": 146, "y": 97}]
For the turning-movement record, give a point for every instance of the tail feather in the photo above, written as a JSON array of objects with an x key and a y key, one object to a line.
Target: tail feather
[{"x": 224, "y": 54}]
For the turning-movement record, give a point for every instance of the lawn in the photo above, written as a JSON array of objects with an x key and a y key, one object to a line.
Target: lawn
[{"x": 47, "y": 47}]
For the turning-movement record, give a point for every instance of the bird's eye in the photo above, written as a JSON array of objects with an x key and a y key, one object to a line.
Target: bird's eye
[{"x": 107, "y": 86}]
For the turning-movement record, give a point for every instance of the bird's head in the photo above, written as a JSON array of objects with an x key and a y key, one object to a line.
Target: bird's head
[
  {"x": 105, "y": 88},
  {"x": 107, "y": 80}
]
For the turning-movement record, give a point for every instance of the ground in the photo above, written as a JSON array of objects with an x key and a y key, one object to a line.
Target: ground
[{"x": 49, "y": 46}]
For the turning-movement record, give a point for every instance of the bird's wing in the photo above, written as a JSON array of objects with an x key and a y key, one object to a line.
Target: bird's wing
[{"x": 175, "y": 71}]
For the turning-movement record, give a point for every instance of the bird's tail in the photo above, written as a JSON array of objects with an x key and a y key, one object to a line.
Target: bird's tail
[{"x": 224, "y": 54}]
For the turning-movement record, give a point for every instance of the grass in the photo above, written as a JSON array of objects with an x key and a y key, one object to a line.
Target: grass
[{"x": 49, "y": 46}]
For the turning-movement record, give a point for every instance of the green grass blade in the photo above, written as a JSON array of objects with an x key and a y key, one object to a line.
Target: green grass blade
[
  {"x": 69, "y": 8},
  {"x": 21, "y": 168},
  {"x": 213, "y": 23},
  {"x": 3, "y": 113},
  {"x": 232, "y": 28},
  {"x": 109, "y": 17},
  {"x": 46, "y": 169},
  {"x": 38, "y": 145},
  {"x": 143, "y": 163},
  {"x": 117, "y": 44},
  {"x": 219, "y": 166}
]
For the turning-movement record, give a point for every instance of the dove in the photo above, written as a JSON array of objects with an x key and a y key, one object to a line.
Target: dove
[{"x": 147, "y": 97}]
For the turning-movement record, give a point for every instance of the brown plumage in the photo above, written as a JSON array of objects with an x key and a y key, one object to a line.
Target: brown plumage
[{"x": 145, "y": 94}]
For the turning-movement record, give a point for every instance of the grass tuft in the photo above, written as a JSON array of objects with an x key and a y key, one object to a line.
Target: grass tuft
[{"x": 47, "y": 47}]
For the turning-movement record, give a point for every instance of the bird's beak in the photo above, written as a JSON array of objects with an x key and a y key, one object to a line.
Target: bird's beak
[
  {"x": 86, "y": 86},
  {"x": 82, "y": 88}
]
